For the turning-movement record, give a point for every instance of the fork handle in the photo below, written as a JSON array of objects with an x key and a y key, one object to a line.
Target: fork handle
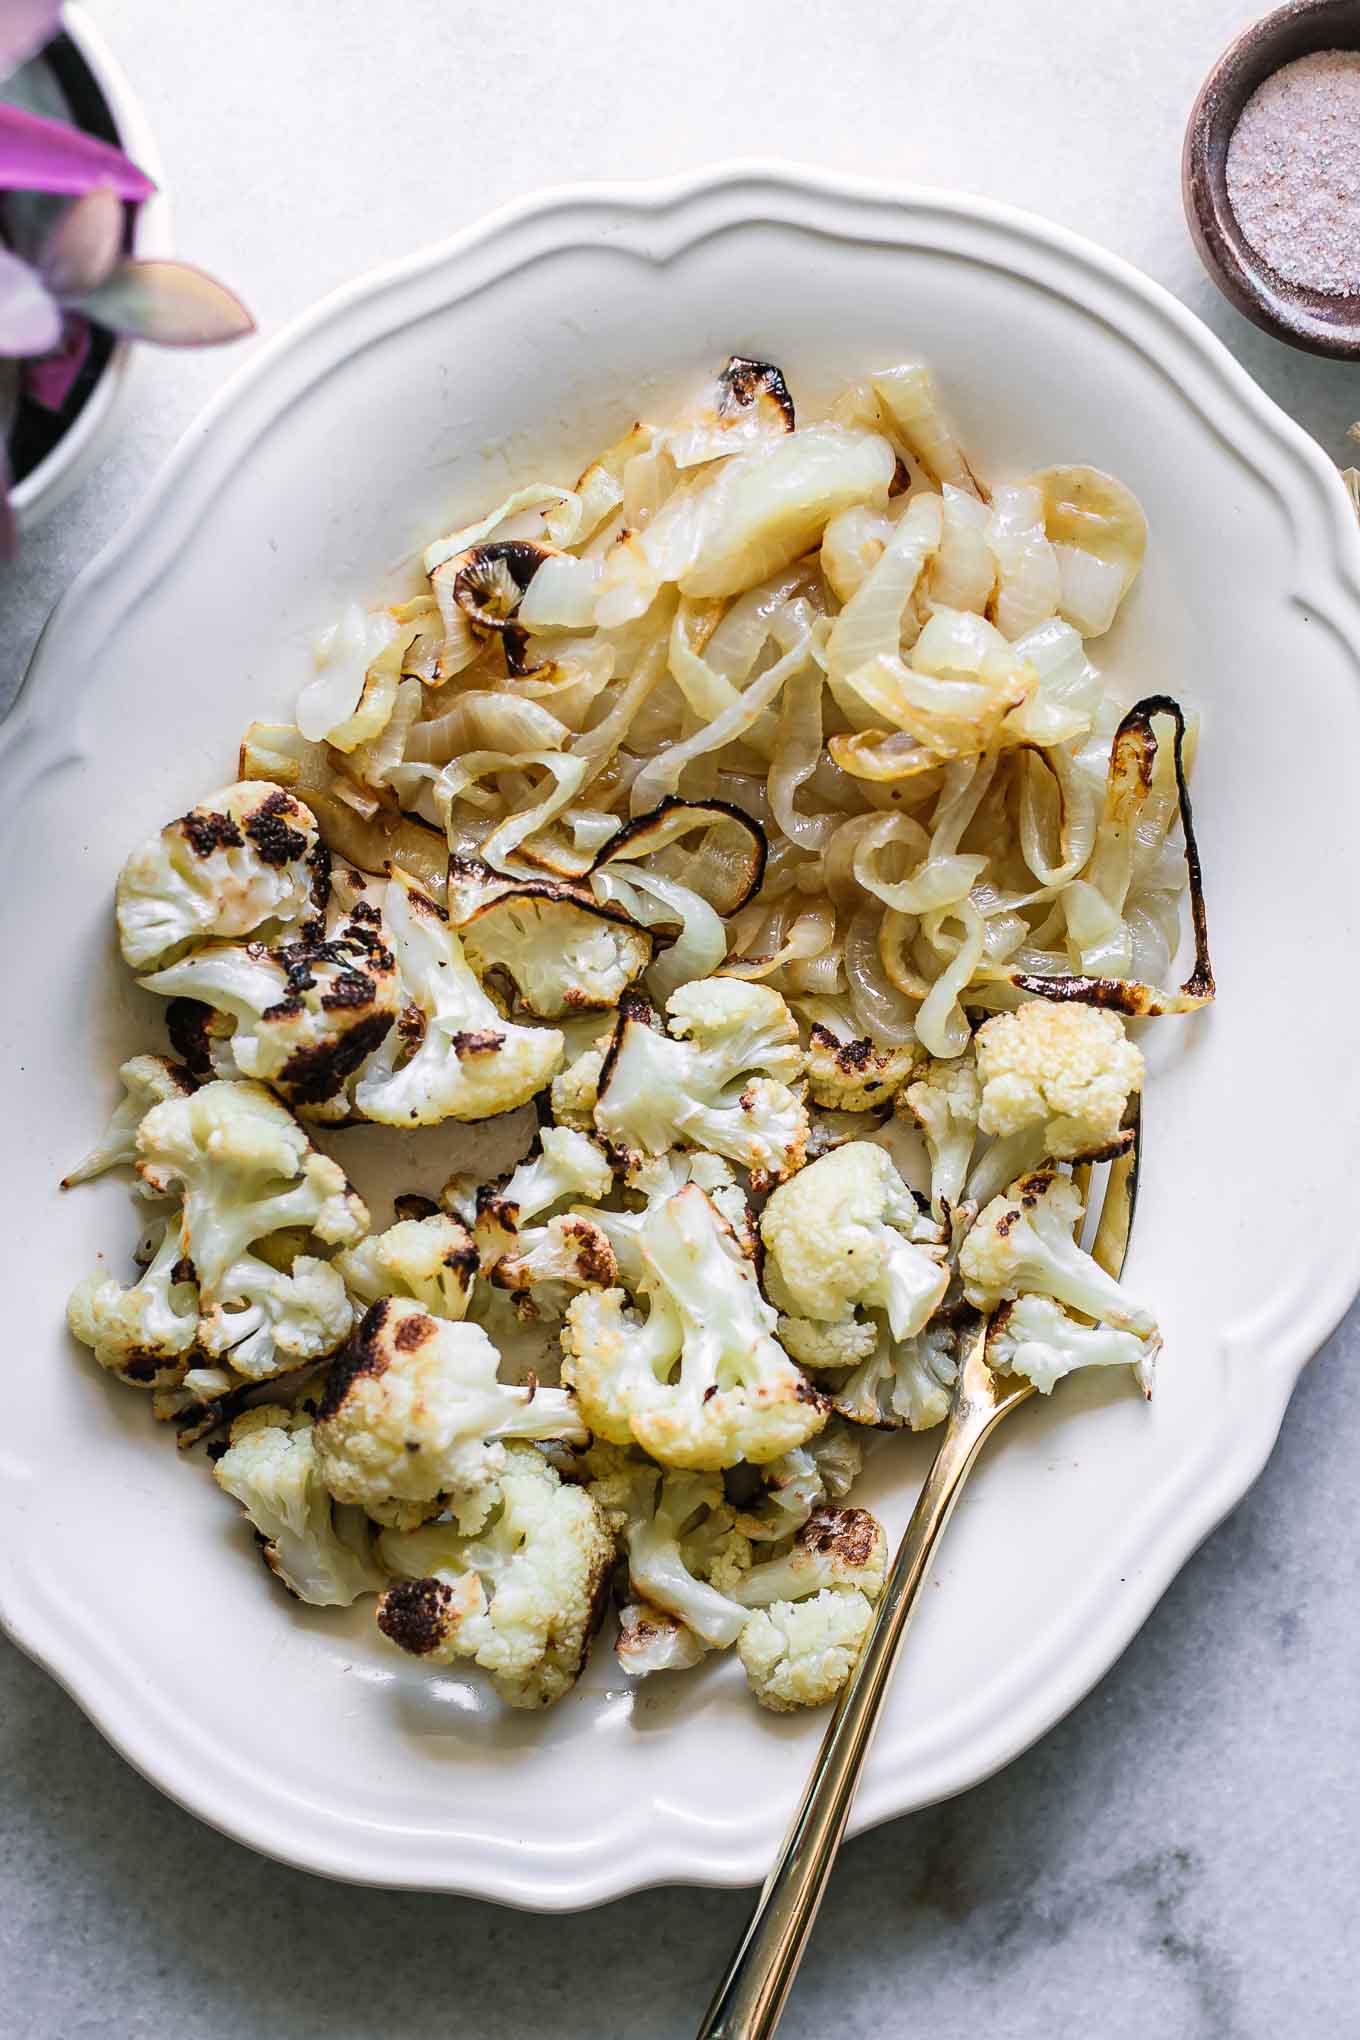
[{"x": 751, "y": 1996}]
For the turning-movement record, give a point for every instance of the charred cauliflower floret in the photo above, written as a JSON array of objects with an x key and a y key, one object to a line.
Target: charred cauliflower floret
[
  {"x": 430, "y": 1260},
  {"x": 522, "y": 1597},
  {"x": 1022, "y": 1245},
  {"x": 845, "y": 1233},
  {"x": 944, "y": 1104},
  {"x": 245, "y": 1170},
  {"x": 852, "y": 1073},
  {"x": 1036, "y": 1338},
  {"x": 800, "y": 1653},
  {"x": 699, "y": 1086},
  {"x": 1066, "y": 1072},
  {"x": 651, "y": 1639},
  {"x": 701, "y": 1382},
  {"x": 245, "y": 859},
  {"x": 567, "y": 1165},
  {"x": 303, "y": 1017},
  {"x": 414, "y": 1416},
  {"x": 842, "y": 1548},
  {"x": 322, "y": 1551},
  {"x": 545, "y": 1264},
  {"x": 559, "y": 949},
  {"x": 451, "y": 1054},
  {"x": 796, "y": 1483},
  {"x": 143, "y": 1332},
  {"x": 147, "y": 1080}
]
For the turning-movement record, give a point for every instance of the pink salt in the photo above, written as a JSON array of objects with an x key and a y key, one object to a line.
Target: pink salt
[{"x": 1294, "y": 172}]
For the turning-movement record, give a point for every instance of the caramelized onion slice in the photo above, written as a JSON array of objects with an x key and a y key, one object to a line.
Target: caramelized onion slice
[
  {"x": 1133, "y": 755},
  {"x": 726, "y": 867}
]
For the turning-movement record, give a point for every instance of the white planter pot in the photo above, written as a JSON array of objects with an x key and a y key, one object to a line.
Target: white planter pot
[{"x": 86, "y": 438}]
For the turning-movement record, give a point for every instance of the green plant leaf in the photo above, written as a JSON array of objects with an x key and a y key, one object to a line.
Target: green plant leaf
[{"x": 170, "y": 303}]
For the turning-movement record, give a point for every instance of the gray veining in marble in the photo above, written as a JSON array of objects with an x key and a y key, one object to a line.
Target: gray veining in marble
[{"x": 1180, "y": 1858}]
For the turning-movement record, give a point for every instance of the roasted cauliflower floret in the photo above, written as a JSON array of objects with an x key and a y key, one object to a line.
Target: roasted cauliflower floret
[
  {"x": 272, "y": 1320},
  {"x": 147, "y": 1080},
  {"x": 834, "y": 1548},
  {"x": 431, "y": 1260},
  {"x": 676, "y": 1530},
  {"x": 1066, "y": 1071},
  {"x": 322, "y": 1552},
  {"x": 567, "y": 1165},
  {"x": 796, "y": 1483},
  {"x": 245, "y": 1169},
  {"x": 414, "y": 1415},
  {"x": 698, "y": 1085},
  {"x": 451, "y": 1055},
  {"x": 701, "y": 1382},
  {"x": 1035, "y": 1337},
  {"x": 245, "y": 859},
  {"x": 560, "y": 950},
  {"x": 1022, "y": 1244},
  {"x": 654, "y": 1178},
  {"x": 844, "y": 1233},
  {"x": 944, "y": 1103},
  {"x": 850, "y": 1073},
  {"x": 522, "y": 1597},
  {"x": 544, "y": 1264},
  {"x": 651, "y": 1639},
  {"x": 800, "y": 1653},
  {"x": 576, "y": 1088},
  {"x": 904, "y": 1383},
  {"x": 145, "y": 1332},
  {"x": 814, "y": 1343},
  {"x": 303, "y": 1017}
]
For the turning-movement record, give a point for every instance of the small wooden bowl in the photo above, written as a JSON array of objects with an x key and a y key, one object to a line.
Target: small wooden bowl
[{"x": 1305, "y": 318}]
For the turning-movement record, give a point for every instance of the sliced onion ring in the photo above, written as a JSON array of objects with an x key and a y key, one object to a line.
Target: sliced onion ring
[
  {"x": 1133, "y": 755},
  {"x": 726, "y": 872}
]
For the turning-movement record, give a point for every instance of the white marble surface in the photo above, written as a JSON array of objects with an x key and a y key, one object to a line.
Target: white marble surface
[{"x": 1181, "y": 1857}]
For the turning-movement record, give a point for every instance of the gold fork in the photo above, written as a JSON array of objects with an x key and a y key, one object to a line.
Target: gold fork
[{"x": 751, "y": 1997}]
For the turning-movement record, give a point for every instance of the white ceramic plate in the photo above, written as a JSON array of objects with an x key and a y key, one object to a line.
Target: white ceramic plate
[{"x": 514, "y": 351}]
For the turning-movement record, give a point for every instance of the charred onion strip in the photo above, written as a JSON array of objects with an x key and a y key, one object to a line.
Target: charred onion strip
[
  {"x": 1132, "y": 757},
  {"x": 491, "y": 581},
  {"x": 664, "y": 826},
  {"x": 743, "y": 382}
]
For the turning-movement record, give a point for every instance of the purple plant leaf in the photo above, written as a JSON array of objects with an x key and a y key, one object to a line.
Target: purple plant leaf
[
  {"x": 25, "y": 25},
  {"x": 46, "y": 155},
  {"x": 48, "y": 382},
  {"x": 168, "y": 302},
  {"x": 84, "y": 244},
  {"x": 30, "y": 320}
]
